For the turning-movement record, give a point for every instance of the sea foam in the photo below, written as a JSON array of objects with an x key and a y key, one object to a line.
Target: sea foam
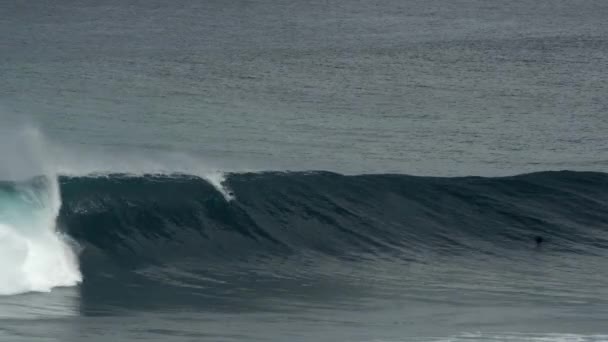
[{"x": 34, "y": 255}]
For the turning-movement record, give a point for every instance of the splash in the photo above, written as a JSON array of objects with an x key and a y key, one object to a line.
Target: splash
[{"x": 34, "y": 256}]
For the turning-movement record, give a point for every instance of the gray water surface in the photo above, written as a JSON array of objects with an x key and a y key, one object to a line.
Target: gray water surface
[
  {"x": 434, "y": 87},
  {"x": 420, "y": 87}
]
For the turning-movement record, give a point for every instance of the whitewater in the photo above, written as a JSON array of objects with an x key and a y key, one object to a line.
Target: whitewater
[
  {"x": 207, "y": 241},
  {"x": 34, "y": 255},
  {"x": 341, "y": 170}
]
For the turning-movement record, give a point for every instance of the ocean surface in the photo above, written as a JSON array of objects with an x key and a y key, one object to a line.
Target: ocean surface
[{"x": 286, "y": 170}]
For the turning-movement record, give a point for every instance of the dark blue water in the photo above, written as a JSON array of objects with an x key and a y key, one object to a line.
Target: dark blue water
[{"x": 243, "y": 170}]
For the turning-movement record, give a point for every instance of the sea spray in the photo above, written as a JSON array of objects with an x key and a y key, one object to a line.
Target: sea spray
[{"x": 34, "y": 256}]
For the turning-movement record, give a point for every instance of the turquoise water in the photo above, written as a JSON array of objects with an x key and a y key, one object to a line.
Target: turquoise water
[{"x": 94, "y": 95}]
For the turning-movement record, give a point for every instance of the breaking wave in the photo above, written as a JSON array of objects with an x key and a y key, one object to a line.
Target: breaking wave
[
  {"x": 139, "y": 223},
  {"x": 33, "y": 255},
  {"x": 159, "y": 217}
]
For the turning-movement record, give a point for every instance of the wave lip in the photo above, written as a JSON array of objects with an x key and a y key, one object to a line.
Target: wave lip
[
  {"x": 284, "y": 213},
  {"x": 186, "y": 222}
]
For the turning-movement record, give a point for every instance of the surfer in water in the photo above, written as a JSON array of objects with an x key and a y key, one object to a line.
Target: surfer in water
[{"x": 539, "y": 240}]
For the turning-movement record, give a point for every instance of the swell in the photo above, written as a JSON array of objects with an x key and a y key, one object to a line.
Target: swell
[{"x": 162, "y": 218}]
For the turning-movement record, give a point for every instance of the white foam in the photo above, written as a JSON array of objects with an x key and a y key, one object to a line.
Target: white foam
[{"x": 34, "y": 256}]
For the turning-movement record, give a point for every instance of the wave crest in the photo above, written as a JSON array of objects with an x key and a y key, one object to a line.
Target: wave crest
[{"x": 161, "y": 217}]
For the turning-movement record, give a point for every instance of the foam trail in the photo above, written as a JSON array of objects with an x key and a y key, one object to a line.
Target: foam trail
[{"x": 34, "y": 256}]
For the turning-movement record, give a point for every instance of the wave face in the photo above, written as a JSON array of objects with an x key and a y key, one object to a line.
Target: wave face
[
  {"x": 33, "y": 255},
  {"x": 157, "y": 219}
]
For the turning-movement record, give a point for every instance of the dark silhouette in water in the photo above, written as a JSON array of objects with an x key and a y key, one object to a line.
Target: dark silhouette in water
[{"x": 539, "y": 240}]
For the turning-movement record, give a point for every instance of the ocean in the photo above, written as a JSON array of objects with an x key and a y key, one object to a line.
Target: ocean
[{"x": 323, "y": 170}]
